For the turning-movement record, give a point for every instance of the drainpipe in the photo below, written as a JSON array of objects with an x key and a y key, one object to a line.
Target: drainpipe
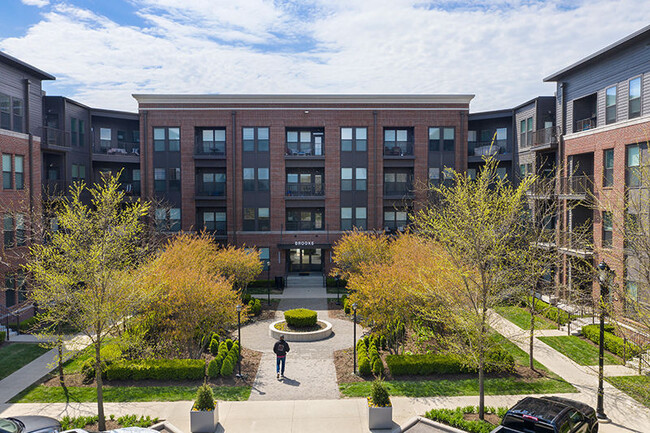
[
  {"x": 30, "y": 151},
  {"x": 234, "y": 176},
  {"x": 376, "y": 170},
  {"x": 144, "y": 176}
]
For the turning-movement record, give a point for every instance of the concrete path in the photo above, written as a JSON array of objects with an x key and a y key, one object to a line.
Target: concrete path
[
  {"x": 622, "y": 409},
  {"x": 310, "y": 372}
]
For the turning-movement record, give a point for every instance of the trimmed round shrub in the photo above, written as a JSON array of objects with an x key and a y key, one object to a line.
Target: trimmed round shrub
[
  {"x": 255, "y": 307},
  {"x": 379, "y": 394},
  {"x": 499, "y": 360},
  {"x": 214, "y": 367},
  {"x": 227, "y": 367},
  {"x": 366, "y": 341},
  {"x": 377, "y": 367},
  {"x": 229, "y": 344},
  {"x": 214, "y": 346},
  {"x": 346, "y": 306},
  {"x": 300, "y": 317},
  {"x": 364, "y": 366}
]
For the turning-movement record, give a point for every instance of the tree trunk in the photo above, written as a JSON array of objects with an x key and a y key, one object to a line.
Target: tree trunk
[
  {"x": 532, "y": 333},
  {"x": 59, "y": 346},
  {"x": 481, "y": 390},
  {"x": 100, "y": 392}
]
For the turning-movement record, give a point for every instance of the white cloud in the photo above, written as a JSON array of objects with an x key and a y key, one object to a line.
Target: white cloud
[
  {"x": 499, "y": 50},
  {"x": 39, "y": 3}
]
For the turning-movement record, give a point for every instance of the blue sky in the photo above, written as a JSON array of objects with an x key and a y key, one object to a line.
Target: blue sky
[{"x": 102, "y": 51}]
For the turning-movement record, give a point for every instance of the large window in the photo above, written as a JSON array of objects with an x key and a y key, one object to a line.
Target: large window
[
  {"x": 354, "y": 139},
  {"x": 211, "y": 141},
  {"x": 632, "y": 166},
  {"x": 635, "y": 98},
  {"x": 78, "y": 172},
  {"x": 610, "y": 105},
  {"x": 214, "y": 221},
  {"x": 255, "y": 139},
  {"x": 397, "y": 183},
  {"x": 442, "y": 138},
  {"x": 395, "y": 219},
  {"x": 5, "y": 111},
  {"x": 303, "y": 183},
  {"x": 6, "y": 171},
  {"x": 607, "y": 229},
  {"x": 257, "y": 219},
  {"x": 398, "y": 141},
  {"x": 167, "y": 139},
  {"x": 18, "y": 114},
  {"x": 353, "y": 217},
  {"x": 304, "y": 142},
  {"x": 212, "y": 184},
  {"x": 305, "y": 219},
  {"x": 105, "y": 138},
  {"x": 608, "y": 168},
  {"x": 354, "y": 179},
  {"x": 168, "y": 219},
  {"x": 19, "y": 168}
]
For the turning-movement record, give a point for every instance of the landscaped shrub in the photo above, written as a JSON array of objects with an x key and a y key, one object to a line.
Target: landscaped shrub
[
  {"x": 347, "y": 307},
  {"x": 246, "y": 298},
  {"x": 379, "y": 395},
  {"x": 612, "y": 343},
  {"x": 3, "y": 335},
  {"x": 214, "y": 367},
  {"x": 214, "y": 346},
  {"x": 227, "y": 367},
  {"x": 204, "y": 398},
  {"x": 550, "y": 312},
  {"x": 159, "y": 369},
  {"x": 422, "y": 365},
  {"x": 229, "y": 344},
  {"x": 454, "y": 418},
  {"x": 25, "y": 326},
  {"x": 255, "y": 307},
  {"x": 88, "y": 370},
  {"x": 300, "y": 317},
  {"x": 499, "y": 360},
  {"x": 364, "y": 366},
  {"x": 377, "y": 367},
  {"x": 382, "y": 342}
]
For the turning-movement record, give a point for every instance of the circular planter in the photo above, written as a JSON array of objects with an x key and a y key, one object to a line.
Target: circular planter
[{"x": 301, "y": 336}]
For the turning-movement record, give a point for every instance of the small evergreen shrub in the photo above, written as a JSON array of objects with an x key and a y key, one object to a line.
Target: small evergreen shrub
[
  {"x": 229, "y": 344},
  {"x": 246, "y": 298},
  {"x": 214, "y": 346},
  {"x": 227, "y": 367},
  {"x": 255, "y": 307},
  {"x": 214, "y": 367},
  {"x": 364, "y": 366},
  {"x": 204, "y": 398},
  {"x": 3, "y": 335},
  {"x": 88, "y": 370},
  {"x": 300, "y": 317},
  {"x": 455, "y": 418},
  {"x": 347, "y": 308},
  {"x": 377, "y": 367},
  {"x": 499, "y": 360},
  {"x": 379, "y": 395}
]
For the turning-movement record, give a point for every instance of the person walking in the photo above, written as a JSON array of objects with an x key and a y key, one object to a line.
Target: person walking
[{"x": 280, "y": 349}]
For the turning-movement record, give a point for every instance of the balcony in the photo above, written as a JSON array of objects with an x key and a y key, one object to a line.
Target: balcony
[
  {"x": 304, "y": 149},
  {"x": 576, "y": 187},
  {"x": 398, "y": 189},
  {"x": 211, "y": 149},
  {"x": 585, "y": 124},
  {"x": 579, "y": 244},
  {"x": 487, "y": 148},
  {"x": 119, "y": 151},
  {"x": 52, "y": 137},
  {"x": 305, "y": 189},
  {"x": 217, "y": 189},
  {"x": 545, "y": 138},
  {"x": 543, "y": 187},
  {"x": 398, "y": 149},
  {"x": 303, "y": 226}
]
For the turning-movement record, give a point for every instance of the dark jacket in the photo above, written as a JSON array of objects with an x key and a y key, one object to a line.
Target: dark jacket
[{"x": 281, "y": 348}]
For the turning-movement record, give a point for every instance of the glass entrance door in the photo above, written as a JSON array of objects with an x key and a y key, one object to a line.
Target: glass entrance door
[{"x": 305, "y": 260}]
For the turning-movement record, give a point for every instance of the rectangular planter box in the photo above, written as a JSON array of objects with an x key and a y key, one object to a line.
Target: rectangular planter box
[
  {"x": 204, "y": 421},
  {"x": 380, "y": 417}
]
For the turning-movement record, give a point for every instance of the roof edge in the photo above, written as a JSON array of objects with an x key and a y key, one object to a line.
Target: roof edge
[
  {"x": 302, "y": 98},
  {"x": 19, "y": 64}
]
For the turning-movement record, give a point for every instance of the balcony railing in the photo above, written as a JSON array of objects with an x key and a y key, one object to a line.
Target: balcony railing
[
  {"x": 398, "y": 189},
  {"x": 585, "y": 124},
  {"x": 119, "y": 148},
  {"x": 305, "y": 189},
  {"x": 398, "y": 149},
  {"x": 575, "y": 242},
  {"x": 486, "y": 148},
  {"x": 303, "y": 149},
  {"x": 214, "y": 189},
  {"x": 545, "y": 136},
  {"x": 216, "y": 148},
  {"x": 303, "y": 226},
  {"x": 54, "y": 137},
  {"x": 543, "y": 186},
  {"x": 578, "y": 186}
]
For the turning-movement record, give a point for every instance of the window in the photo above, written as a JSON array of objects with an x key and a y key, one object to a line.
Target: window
[
  {"x": 635, "y": 98},
  {"x": 9, "y": 234},
  {"x": 82, "y": 133},
  {"x": 522, "y": 170},
  {"x": 360, "y": 218},
  {"x": 346, "y": 179},
  {"x": 354, "y": 138},
  {"x": 434, "y": 139},
  {"x": 305, "y": 219},
  {"x": 610, "y": 105},
  {"x": 105, "y": 138},
  {"x": 346, "y": 218},
  {"x": 214, "y": 221},
  {"x": 10, "y": 290},
  {"x": 174, "y": 179},
  {"x": 249, "y": 179},
  {"x": 397, "y": 183},
  {"x": 74, "y": 132},
  {"x": 6, "y": 171},
  {"x": 434, "y": 175},
  {"x": 249, "y": 219},
  {"x": 263, "y": 179},
  {"x": 213, "y": 184},
  {"x": 265, "y": 257},
  {"x": 263, "y": 219},
  {"x": 632, "y": 170},
  {"x": 168, "y": 219},
  {"x": 448, "y": 139},
  {"x": 607, "y": 229},
  {"x": 136, "y": 180},
  {"x": 304, "y": 143},
  {"x": 174, "y": 219},
  {"x": 633, "y": 291},
  {"x": 529, "y": 133},
  {"x": 398, "y": 141},
  {"x": 211, "y": 141},
  {"x": 395, "y": 219},
  {"x": 160, "y": 179},
  {"x": 361, "y": 178},
  {"x": 166, "y": 139},
  {"x": 174, "y": 135},
  {"x": 18, "y": 115},
  {"x": 78, "y": 172},
  {"x": 21, "y": 239},
  {"x": 256, "y": 219},
  {"x": 19, "y": 167},
  {"x": 346, "y": 140},
  {"x": 253, "y": 136},
  {"x": 471, "y": 173},
  {"x": 502, "y": 172},
  {"x": 608, "y": 168},
  {"x": 522, "y": 134},
  {"x": 5, "y": 111}
]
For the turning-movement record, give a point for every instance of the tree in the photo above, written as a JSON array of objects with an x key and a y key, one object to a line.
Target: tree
[
  {"x": 83, "y": 275},
  {"x": 195, "y": 299},
  {"x": 481, "y": 225},
  {"x": 239, "y": 265},
  {"x": 356, "y": 249}
]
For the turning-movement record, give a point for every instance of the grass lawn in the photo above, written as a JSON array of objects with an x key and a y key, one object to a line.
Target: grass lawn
[
  {"x": 13, "y": 356},
  {"x": 521, "y": 317},
  {"x": 55, "y": 394},
  {"x": 581, "y": 351},
  {"x": 521, "y": 356},
  {"x": 443, "y": 387},
  {"x": 637, "y": 387}
]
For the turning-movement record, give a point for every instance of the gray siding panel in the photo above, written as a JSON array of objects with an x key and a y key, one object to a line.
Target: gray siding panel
[
  {"x": 600, "y": 107},
  {"x": 621, "y": 100},
  {"x": 645, "y": 95},
  {"x": 569, "y": 117}
]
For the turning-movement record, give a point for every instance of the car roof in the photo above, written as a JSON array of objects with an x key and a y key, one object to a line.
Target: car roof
[
  {"x": 541, "y": 408},
  {"x": 582, "y": 407}
]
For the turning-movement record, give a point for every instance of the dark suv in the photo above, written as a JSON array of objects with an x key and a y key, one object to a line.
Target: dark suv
[{"x": 549, "y": 415}]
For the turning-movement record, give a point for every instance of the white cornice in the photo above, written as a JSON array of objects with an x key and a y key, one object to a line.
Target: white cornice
[{"x": 301, "y": 99}]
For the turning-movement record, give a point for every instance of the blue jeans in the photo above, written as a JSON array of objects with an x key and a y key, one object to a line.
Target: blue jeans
[{"x": 280, "y": 360}]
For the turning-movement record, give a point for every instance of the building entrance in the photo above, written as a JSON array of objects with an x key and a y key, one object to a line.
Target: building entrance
[{"x": 305, "y": 260}]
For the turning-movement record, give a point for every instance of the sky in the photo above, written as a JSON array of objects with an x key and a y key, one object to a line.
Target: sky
[{"x": 103, "y": 51}]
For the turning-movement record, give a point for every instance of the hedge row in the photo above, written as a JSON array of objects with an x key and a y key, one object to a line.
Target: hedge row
[
  {"x": 497, "y": 361},
  {"x": 455, "y": 418},
  {"x": 550, "y": 312},
  {"x": 159, "y": 369},
  {"x": 368, "y": 356},
  {"x": 300, "y": 317},
  {"x": 24, "y": 326},
  {"x": 225, "y": 360},
  {"x": 612, "y": 343}
]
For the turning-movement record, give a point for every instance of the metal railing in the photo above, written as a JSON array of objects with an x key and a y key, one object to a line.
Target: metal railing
[
  {"x": 544, "y": 186},
  {"x": 54, "y": 137},
  {"x": 117, "y": 148},
  {"x": 575, "y": 241},
  {"x": 576, "y": 185},
  {"x": 217, "y": 189},
  {"x": 487, "y": 148},
  {"x": 397, "y": 188},
  {"x": 585, "y": 124},
  {"x": 302, "y": 226},
  {"x": 305, "y": 189},
  {"x": 212, "y": 148},
  {"x": 398, "y": 149},
  {"x": 303, "y": 149},
  {"x": 546, "y": 136}
]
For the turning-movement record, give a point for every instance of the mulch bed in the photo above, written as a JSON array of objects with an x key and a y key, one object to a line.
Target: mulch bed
[
  {"x": 336, "y": 311},
  {"x": 492, "y": 418},
  {"x": 249, "y": 365},
  {"x": 343, "y": 362}
]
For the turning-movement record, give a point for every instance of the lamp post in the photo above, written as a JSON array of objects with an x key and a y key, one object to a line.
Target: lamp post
[
  {"x": 267, "y": 263},
  {"x": 354, "y": 346},
  {"x": 604, "y": 276},
  {"x": 239, "y": 339}
]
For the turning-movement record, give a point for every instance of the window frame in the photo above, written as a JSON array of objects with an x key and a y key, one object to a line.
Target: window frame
[
  {"x": 610, "y": 107},
  {"x": 633, "y": 100}
]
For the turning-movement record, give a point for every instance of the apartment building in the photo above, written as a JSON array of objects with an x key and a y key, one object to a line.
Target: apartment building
[
  {"x": 603, "y": 111},
  {"x": 290, "y": 173},
  {"x": 491, "y": 133},
  {"x": 20, "y": 142}
]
